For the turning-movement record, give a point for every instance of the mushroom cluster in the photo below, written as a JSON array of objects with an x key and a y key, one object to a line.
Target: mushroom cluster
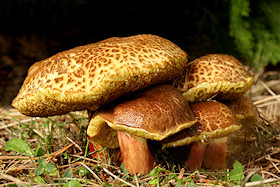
[
  {"x": 154, "y": 113},
  {"x": 215, "y": 85},
  {"x": 124, "y": 83}
]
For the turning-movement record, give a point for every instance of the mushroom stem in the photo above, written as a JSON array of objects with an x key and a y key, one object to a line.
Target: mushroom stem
[
  {"x": 215, "y": 156},
  {"x": 95, "y": 149},
  {"x": 135, "y": 153},
  {"x": 196, "y": 155}
]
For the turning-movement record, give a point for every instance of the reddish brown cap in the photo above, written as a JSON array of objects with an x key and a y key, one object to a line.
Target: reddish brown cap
[
  {"x": 245, "y": 110},
  {"x": 86, "y": 77},
  {"x": 155, "y": 114},
  {"x": 214, "y": 119}
]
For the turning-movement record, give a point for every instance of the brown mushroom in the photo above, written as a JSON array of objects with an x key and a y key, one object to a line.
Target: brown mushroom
[
  {"x": 214, "y": 75},
  {"x": 243, "y": 140},
  {"x": 89, "y": 76},
  {"x": 154, "y": 114},
  {"x": 215, "y": 120},
  {"x": 245, "y": 110}
]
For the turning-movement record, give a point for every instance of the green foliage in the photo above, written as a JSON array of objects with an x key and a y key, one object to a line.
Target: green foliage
[
  {"x": 18, "y": 145},
  {"x": 72, "y": 183},
  {"x": 255, "y": 29},
  {"x": 256, "y": 177},
  {"x": 157, "y": 180},
  {"x": 237, "y": 173},
  {"x": 155, "y": 174},
  {"x": 48, "y": 168},
  {"x": 12, "y": 185},
  {"x": 44, "y": 168}
]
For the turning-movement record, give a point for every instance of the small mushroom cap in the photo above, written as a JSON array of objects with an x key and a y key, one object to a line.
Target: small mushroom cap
[
  {"x": 215, "y": 75},
  {"x": 154, "y": 113},
  {"x": 245, "y": 110},
  {"x": 214, "y": 119},
  {"x": 86, "y": 77}
]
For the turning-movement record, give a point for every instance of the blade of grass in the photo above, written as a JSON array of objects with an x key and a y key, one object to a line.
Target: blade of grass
[{"x": 19, "y": 122}]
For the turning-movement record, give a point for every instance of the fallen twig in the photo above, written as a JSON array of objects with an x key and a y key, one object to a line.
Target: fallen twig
[
  {"x": 116, "y": 177},
  {"x": 48, "y": 156},
  {"x": 94, "y": 174},
  {"x": 258, "y": 183},
  {"x": 11, "y": 178}
]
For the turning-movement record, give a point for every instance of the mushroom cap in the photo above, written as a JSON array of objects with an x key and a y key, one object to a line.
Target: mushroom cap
[
  {"x": 89, "y": 76},
  {"x": 245, "y": 110},
  {"x": 155, "y": 113},
  {"x": 214, "y": 119},
  {"x": 215, "y": 75}
]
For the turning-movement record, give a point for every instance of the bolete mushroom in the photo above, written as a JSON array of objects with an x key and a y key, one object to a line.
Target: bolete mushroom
[
  {"x": 154, "y": 114},
  {"x": 241, "y": 143},
  {"x": 214, "y": 75},
  {"x": 89, "y": 76},
  {"x": 214, "y": 121},
  {"x": 245, "y": 110}
]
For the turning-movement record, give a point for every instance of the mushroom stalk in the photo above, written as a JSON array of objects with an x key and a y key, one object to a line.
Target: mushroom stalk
[
  {"x": 135, "y": 153},
  {"x": 96, "y": 150},
  {"x": 196, "y": 155},
  {"x": 215, "y": 156}
]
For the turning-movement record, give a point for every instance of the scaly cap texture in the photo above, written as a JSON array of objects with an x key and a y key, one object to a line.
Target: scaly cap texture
[
  {"x": 215, "y": 75},
  {"x": 155, "y": 113},
  {"x": 245, "y": 110},
  {"x": 214, "y": 119},
  {"x": 89, "y": 76}
]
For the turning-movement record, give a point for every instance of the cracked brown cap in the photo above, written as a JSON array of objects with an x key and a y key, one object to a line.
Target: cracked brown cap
[
  {"x": 89, "y": 76},
  {"x": 154, "y": 114},
  {"x": 245, "y": 110},
  {"x": 215, "y": 75},
  {"x": 214, "y": 119}
]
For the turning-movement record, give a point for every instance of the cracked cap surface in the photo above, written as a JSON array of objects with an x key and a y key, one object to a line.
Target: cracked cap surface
[
  {"x": 214, "y": 119},
  {"x": 89, "y": 76},
  {"x": 215, "y": 75},
  {"x": 154, "y": 113},
  {"x": 245, "y": 110}
]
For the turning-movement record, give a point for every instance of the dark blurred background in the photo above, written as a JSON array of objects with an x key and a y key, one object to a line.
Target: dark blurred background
[{"x": 32, "y": 30}]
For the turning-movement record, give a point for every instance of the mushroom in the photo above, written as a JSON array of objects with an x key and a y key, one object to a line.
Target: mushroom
[
  {"x": 89, "y": 76},
  {"x": 214, "y": 121},
  {"x": 214, "y": 75},
  {"x": 243, "y": 140},
  {"x": 154, "y": 114},
  {"x": 245, "y": 110}
]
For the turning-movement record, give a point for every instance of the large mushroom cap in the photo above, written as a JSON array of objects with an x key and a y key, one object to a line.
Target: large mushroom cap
[
  {"x": 214, "y": 119},
  {"x": 89, "y": 76},
  {"x": 217, "y": 75},
  {"x": 154, "y": 114}
]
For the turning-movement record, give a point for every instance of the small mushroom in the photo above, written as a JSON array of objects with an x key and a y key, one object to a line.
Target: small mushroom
[
  {"x": 214, "y": 121},
  {"x": 214, "y": 75},
  {"x": 245, "y": 110},
  {"x": 244, "y": 140},
  {"x": 89, "y": 76},
  {"x": 154, "y": 114}
]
